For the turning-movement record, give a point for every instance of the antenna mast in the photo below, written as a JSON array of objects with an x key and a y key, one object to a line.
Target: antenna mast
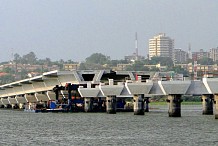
[
  {"x": 12, "y": 56},
  {"x": 189, "y": 51},
  {"x": 136, "y": 45}
]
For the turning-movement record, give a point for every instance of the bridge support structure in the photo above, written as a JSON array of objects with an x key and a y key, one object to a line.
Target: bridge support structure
[
  {"x": 207, "y": 103},
  {"x": 13, "y": 106},
  {"x": 146, "y": 104},
  {"x": 100, "y": 105},
  {"x": 21, "y": 105},
  {"x": 174, "y": 103},
  {"x": 111, "y": 104},
  {"x": 216, "y": 106},
  {"x": 138, "y": 105},
  {"x": 88, "y": 104}
]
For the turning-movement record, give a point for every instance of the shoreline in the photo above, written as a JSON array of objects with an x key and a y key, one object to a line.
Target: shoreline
[{"x": 183, "y": 103}]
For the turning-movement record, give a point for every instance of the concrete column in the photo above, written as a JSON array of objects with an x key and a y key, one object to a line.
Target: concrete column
[
  {"x": 138, "y": 104},
  {"x": 216, "y": 105},
  {"x": 174, "y": 103},
  {"x": 111, "y": 104},
  {"x": 207, "y": 103},
  {"x": 100, "y": 102},
  {"x": 147, "y": 104},
  {"x": 21, "y": 105},
  {"x": 13, "y": 106},
  {"x": 88, "y": 104}
]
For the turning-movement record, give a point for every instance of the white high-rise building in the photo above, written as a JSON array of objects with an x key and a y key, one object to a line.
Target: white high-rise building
[
  {"x": 213, "y": 54},
  {"x": 161, "y": 46}
]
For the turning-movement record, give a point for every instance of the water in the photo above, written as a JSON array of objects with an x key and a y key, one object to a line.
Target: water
[{"x": 155, "y": 128}]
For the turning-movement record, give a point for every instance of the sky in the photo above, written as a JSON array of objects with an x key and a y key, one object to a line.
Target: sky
[{"x": 75, "y": 29}]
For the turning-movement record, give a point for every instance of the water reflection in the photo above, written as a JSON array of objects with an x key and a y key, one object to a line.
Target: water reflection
[{"x": 154, "y": 128}]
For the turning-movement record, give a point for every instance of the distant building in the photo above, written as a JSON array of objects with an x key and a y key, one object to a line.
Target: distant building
[
  {"x": 29, "y": 68},
  {"x": 3, "y": 74},
  {"x": 122, "y": 66},
  {"x": 161, "y": 46},
  {"x": 166, "y": 76},
  {"x": 70, "y": 66},
  {"x": 200, "y": 68},
  {"x": 213, "y": 54},
  {"x": 158, "y": 66},
  {"x": 180, "y": 56},
  {"x": 199, "y": 55},
  {"x": 134, "y": 57}
]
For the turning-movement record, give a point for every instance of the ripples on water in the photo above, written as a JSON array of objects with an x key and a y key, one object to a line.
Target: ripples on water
[{"x": 155, "y": 128}]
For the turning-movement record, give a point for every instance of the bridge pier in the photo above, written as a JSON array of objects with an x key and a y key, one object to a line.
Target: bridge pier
[
  {"x": 216, "y": 105},
  {"x": 111, "y": 104},
  {"x": 138, "y": 104},
  {"x": 21, "y": 105},
  {"x": 13, "y": 106},
  {"x": 174, "y": 103},
  {"x": 207, "y": 103},
  {"x": 146, "y": 104},
  {"x": 5, "y": 106},
  {"x": 88, "y": 104},
  {"x": 100, "y": 104}
]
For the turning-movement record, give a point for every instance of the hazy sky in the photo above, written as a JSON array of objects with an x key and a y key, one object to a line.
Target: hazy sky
[{"x": 75, "y": 29}]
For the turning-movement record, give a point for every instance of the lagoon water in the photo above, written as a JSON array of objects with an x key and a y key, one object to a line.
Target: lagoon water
[{"x": 155, "y": 128}]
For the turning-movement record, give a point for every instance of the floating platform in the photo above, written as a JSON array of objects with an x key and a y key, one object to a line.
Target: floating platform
[{"x": 46, "y": 110}]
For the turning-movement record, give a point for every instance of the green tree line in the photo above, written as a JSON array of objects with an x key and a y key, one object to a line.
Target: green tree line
[{"x": 99, "y": 61}]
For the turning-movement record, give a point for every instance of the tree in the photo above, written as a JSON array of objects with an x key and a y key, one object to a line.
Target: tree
[
  {"x": 7, "y": 79},
  {"x": 205, "y": 61},
  {"x": 180, "y": 70},
  {"x": 71, "y": 61},
  {"x": 115, "y": 62},
  {"x": 8, "y": 70},
  {"x": 82, "y": 66},
  {"x": 189, "y": 61},
  {"x": 17, "y": 58},
  {"x": 23, "y": 74},
  {"x": 29, "y": 58},
  {"x": 164, "y": 61},
  {"x": 98, "y": 58},
  {"x": 154, "y": 69},
  {"x": 137, "y": 66},
  {"x": 48, "y": 61}
]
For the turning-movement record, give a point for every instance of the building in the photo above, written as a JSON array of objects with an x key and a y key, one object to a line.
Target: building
[
  {"x": 201, "y": 69},
  {"x": 161, "y": 46},
  {"x": 166, "y": 76},
  {"x": 200, "y": 55},
  {"x": 122, "y": 66},
  {"x": 180, "y": 56},
  {"x": 3, "y": 74},
  {"x": 27, "y": 67},
  {"x": 134, "y": 57},
  {"x": 70, "y": 67},
  {"x": 158, "y": 66},
  {"x": 213, "y": 54}
]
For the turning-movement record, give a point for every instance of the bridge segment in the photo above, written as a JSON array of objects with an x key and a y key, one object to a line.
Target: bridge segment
[
  {"x": 174, "y": 90},
  {"x": 40, "y": 88}
]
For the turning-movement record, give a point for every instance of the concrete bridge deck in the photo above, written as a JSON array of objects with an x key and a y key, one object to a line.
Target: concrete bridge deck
[
  {"x": 40, "y": 88},
  {"x": 120, "y": 84}
]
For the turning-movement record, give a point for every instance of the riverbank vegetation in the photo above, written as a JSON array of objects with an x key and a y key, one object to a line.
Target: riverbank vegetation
[
  {"x": 20, "y": 67},
  {"x": 186, "y": 100}
]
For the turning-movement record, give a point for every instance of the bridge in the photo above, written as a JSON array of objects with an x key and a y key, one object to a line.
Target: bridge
[
  {"x": 40, "y": 88},
  {"x": 110, "y": 86}
]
